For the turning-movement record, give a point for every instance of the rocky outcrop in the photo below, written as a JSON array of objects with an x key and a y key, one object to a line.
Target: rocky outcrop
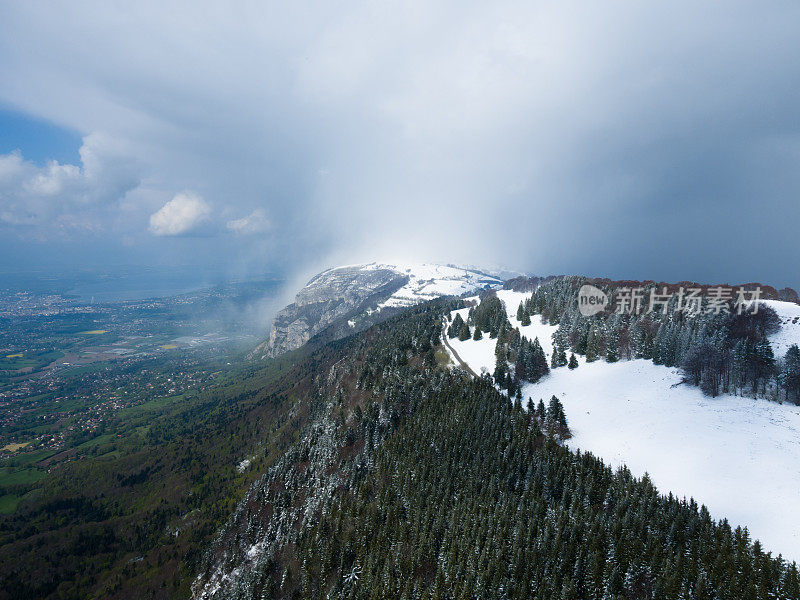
[
  {"x": 345, "y": 300},
  {"x": 329, "y": 297}
]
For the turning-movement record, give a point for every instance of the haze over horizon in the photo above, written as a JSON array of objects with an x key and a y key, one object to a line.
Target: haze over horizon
[{"x": 287, "y": 139}]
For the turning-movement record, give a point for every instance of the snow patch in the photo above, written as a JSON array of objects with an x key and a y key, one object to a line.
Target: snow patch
[
  {"x": 738, "y": 456},
  {"x": 429, "y": 281},
  {"x": 789, "y": 333}
]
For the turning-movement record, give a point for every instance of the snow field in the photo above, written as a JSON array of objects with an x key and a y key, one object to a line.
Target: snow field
[{"x": 738, "y": 456}]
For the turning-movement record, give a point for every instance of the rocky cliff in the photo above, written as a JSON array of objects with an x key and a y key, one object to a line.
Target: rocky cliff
[{"x": 344, "y": 300}]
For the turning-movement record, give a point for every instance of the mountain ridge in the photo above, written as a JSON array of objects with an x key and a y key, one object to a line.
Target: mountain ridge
[{"x": 351, "y": 298}]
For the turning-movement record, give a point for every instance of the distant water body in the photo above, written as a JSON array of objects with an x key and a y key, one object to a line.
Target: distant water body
[
  {"x": 140, "y": 285},
  {"x": 109, "y": 293},
  {"x": 125, "y": 285}
]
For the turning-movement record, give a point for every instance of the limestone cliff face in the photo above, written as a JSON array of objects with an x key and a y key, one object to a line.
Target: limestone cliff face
[
  {"x": 329, "y": 297},
  {"x": 344, "y": 300}
]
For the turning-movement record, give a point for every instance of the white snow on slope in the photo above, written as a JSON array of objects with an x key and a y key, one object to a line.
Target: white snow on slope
[
  {"x": 536, "y": 329},
  {"x": 738, "y": 456},
  {"x": 479, "y": 354},
  {"x": 429, "y": 281},
  {"x": 789, "y": 333}
]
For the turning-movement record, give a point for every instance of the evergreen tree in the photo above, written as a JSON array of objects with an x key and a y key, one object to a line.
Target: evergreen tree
[
  {"x": 790, "y": 377},
  {"x": 539, "y": 362},
  {"x": 593, "y": 348},
  {"x": 612, "y": 343},
  {"x": 556, "y": 420},
  {"x": 500, "y": 371},
  {"x": 455, "y": 327},
  {"x": 573, "y": 362},
  {"x": 463, "y": 332},
  {"x": 541, "y": 411}
]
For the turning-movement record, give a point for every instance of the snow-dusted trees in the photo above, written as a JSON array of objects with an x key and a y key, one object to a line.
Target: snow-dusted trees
[
  {"x": 558, "y": 358},
  {"x": 720, "y": 351},
  {"x": 468, "y": 498},
  {"x": 790, "y": 374},
  {"x": 490, "y": 316},
  {"x": 455, "y": 327},
  {"x": 556, "y": 420}
]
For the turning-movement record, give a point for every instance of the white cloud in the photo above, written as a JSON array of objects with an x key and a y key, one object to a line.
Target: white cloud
[
  {"x": 255, "y": 222},
  {"x": 65, "y": 197},
  {"x": 181, "y": 215}
]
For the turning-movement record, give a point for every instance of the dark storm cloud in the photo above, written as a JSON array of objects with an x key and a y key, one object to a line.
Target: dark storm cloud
[{"x": 634, "y": 140}]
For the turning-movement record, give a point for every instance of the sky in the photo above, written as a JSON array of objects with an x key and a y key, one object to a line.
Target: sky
[{"x": 655, "y": 140}]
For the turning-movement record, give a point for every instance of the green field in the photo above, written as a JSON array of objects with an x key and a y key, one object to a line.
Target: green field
[
  {"x": 22, "y": 476},
  {"x": 27, "y": 458},
  {"x": 15, "y": 362},
  {"x": 8, "y": 504}
]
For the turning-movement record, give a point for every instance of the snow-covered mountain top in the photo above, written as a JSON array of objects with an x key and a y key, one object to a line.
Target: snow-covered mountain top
[
  {"x": 427, "y": 281},
  {"x": 346, "y": 299}
]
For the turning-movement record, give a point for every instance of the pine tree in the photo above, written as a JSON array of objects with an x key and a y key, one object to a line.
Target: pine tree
[
  {"x": 464, "y": 333},
  {"x": 538, "y": 359},
  {"x": 455, "y": 327},
  {"x": 612, "y": 343},
  {"x": 708, "y": 384},
  {"x": 478, "y": 335},
  {"x": 556, "y": 420},
  {"x": 540, "y": 411},
  {"x": 573, "y": 362},
  {"x": 763, "y": 363},
  {"x": 500, "y": 371},
  {"x": 562, "y": 358},
  {"x": 593, "y": 345},
  {"x": 790, "y": 377}
]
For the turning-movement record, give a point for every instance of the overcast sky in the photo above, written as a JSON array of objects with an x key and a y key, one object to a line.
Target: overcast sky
[{"x": 628, "y": 139}]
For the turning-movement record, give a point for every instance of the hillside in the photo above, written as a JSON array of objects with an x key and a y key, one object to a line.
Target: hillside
[
  {"x": 740, "y": 456},
  {"x": 414, "y": 480},
  {"x": 366, "y": 466}
]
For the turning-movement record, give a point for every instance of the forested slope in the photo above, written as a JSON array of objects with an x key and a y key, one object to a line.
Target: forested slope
[
  {"x": 420, "y": 482},
  {"x": 376, "y": 470}
]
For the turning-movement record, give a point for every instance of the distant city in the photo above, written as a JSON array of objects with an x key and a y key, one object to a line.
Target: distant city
[{"x": 68, "y": 365}]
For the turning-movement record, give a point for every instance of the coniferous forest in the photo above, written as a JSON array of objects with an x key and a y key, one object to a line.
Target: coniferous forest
[
  {"x": 719, "y": 348},
  {"x": 416, "y": 481}
]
